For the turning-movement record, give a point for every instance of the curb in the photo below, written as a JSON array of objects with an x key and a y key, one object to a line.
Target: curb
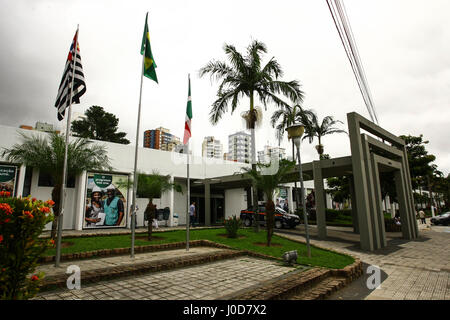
[{"x": 125, "y": 251}]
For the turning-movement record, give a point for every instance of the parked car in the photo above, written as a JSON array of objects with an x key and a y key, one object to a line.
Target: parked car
[
  {"x": 281, "y": 218},
  {"x": 443, "y": 219}
]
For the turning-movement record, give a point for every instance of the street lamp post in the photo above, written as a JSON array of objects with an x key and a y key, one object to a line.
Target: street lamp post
[{"x": 295, "y": 132}]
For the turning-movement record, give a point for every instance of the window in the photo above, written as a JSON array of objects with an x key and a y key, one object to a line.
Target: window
[{"x": 46, "y": 180}]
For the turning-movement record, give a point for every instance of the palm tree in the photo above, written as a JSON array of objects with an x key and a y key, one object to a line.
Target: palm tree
[
  {"x": 269, "y": 183},
  {"x": 288, "y": 116},
  {"x": 245, "y": 76},
  {"x": 153, "y": 186},
  {"x": 314, "y": 129},
  {"x": 47, "y": 154}
]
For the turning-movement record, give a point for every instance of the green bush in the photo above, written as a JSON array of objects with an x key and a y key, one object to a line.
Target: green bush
[
  {"x": 330, "y": 214},
  {"x": 232, "y": 226},
  {"x": 21, "y": 222}
]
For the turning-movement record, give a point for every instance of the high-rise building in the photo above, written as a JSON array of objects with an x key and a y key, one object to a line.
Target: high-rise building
[
  {"x": 266, "y": 155},
  {"x": 161, "y": 139},
  {"x": 212, "y": 148},
  {"x": 43, "y": 126},
  {"x": 239, "y": 147}
]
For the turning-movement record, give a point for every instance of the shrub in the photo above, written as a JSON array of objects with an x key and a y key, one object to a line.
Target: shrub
[
  {"x": 232, "y": 226},
  {"x": 21, "y": 222}
]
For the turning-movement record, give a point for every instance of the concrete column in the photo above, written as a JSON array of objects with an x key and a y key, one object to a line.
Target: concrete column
[
  {"x": 409, "y": 194},
  {"x": 354, "y": 205},
  {"x": 290, "y": 200},
  {"x": 80, "y": 205},
  {"x": 171, "y": 202},
  {"x": 359, "y": 174},
  {"x": 20, "y": 181},
  {"x": 402, "y": 205},
  {"x": 371, "y": 183},
  {"x": 379, "y": 216},
  {"x": 207, "y": 203},
  {"x": 320, "y": 200}
]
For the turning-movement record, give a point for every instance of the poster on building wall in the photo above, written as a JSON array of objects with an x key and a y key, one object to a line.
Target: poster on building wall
[
  {"x": 106, "y": 201},
  {"x": 8, "y": 178}
]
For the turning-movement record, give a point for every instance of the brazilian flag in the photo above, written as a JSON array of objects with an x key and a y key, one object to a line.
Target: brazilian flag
[{"x": 149, "y": 62}]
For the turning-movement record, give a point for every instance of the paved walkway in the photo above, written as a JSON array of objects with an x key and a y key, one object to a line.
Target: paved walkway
[
  {"x": 412, "y": 270},
  {"x": 100, "y": 263},
  {"x": 204, "y": 282}
]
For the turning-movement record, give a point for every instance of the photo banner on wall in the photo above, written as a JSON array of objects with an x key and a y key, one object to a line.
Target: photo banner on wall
[
  {"x": 106, "y": 201},
  {"x": 8, "y": 178}
]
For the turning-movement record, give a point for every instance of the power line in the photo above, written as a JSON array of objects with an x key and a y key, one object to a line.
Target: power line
[{"x": 340, "y": 18}]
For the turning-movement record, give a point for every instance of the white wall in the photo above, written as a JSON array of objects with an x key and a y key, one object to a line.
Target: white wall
[{"x": 235, "y": 202}]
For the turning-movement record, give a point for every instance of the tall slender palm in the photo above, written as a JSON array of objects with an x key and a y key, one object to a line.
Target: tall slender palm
[
  {"x": 319, "y": 130},
  {"x": 287, "y": 116},
  {"x": 245, "y": 76},
  {"x": 269, "y": 183},
  {"x": 46, "y": 152}
]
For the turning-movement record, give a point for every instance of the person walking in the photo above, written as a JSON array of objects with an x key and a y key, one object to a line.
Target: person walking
[
  {"x": 422, "y": 217},
  {"x": 192, "y": 214}
]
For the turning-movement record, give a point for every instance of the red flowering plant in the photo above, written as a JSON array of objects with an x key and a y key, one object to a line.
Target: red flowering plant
[{"x": 21, "y": 222}]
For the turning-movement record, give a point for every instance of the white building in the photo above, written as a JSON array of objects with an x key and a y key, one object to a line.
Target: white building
[
  {"x": 239, "y": 147},
  {"x": 212, "y": 148},
  {"x": 265, "y": 155},
  {"x": 215, "y": 188}
]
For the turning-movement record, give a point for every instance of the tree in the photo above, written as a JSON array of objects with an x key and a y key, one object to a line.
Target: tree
[
  {"x": 319, "y": 130},
  {"x": 46, "y": 153},
  {"x": 152, "y": 186},
  {"x": 268, "y": 184},
  {"x": 421, "y": 169},
  {"x": 245, "y": 76},
  {"x": 287, "y": 116},
  {"x": 339, "y": 188},
  {"x": 419, "y": 160},
  {"x": 99, "y": 125}
]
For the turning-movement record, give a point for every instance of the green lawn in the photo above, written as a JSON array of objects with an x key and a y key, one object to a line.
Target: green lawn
[{"x": 319, "y": 257}]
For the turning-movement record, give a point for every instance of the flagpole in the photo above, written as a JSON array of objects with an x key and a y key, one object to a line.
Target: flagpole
[
  {"x": 133, "y": 214},
  {"x": 63, "y": 189},
  {"x": 188, "y": 216}
]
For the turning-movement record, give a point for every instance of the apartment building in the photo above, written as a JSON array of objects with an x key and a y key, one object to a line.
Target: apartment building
[
  {"x": 239, "y": 147},
  {"x": 212, "y": 148}
]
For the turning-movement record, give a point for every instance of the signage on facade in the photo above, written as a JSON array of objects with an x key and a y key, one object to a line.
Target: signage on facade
[
  {"x": 106, "y": 201},
  {"x": 8, "y": 178}
]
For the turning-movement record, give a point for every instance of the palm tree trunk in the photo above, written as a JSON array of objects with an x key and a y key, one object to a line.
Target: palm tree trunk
[
  {"x": 150, "y": 212},
  {"x": 270, "y": 209},
  {"x": 253, "y": 146},
  {"x": 56, "y": 197}
]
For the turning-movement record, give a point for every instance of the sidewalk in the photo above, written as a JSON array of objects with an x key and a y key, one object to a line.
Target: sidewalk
[{"x": 410, "y": 270}]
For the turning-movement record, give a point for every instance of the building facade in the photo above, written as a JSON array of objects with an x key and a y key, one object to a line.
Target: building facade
[
  {"x": 265, "y": 155},
  {"x": 239, "y": 147},
  {"x": 212, "y": 148},
  {"x": 160, "y": 139}
]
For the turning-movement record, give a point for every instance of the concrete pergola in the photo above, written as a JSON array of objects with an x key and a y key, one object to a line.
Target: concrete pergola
[{"x": 370, "y": 155}]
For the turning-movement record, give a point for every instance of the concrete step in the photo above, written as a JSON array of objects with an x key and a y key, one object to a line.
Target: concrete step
[{"x": 321, "y": 289}]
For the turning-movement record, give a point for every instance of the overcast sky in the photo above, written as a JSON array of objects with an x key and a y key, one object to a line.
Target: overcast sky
[{"x": 404, "y": 46}]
